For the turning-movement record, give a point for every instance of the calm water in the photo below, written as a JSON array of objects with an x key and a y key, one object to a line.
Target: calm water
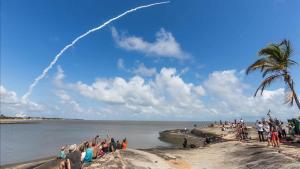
[{"x": 23, "y": 142}]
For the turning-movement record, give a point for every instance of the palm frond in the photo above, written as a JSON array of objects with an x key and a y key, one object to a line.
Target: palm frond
[
  {"x": 272, "y": 51},
  {"x": 291, "y": 62},
  {"x": 286, "y": 48},
  {"x": 274, "y": 70},
  {"x": 265, "y": 83},
  {"x": 290, "y": 98},
  {"x": 259, "y": 64}
]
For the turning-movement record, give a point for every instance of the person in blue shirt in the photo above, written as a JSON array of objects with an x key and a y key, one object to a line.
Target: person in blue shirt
[
  {"x": 61, "y": 153},
  {"x": 89, "y": 154}
]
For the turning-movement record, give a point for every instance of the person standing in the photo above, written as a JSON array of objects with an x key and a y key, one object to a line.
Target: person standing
[
  {"x": 184, "y": 143},
  {"x": 267, "y": 133},
  {"x": 260, "y": 130},
  {"x": 274, "y": 137}
]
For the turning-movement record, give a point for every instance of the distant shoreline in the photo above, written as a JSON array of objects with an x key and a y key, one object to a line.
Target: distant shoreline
[
  {"x": 29, "y": 121},
  {"x": 19, "y": 121}
]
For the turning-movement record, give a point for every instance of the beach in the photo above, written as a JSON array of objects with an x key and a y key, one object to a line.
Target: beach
[{"x": 225, "y": 152}]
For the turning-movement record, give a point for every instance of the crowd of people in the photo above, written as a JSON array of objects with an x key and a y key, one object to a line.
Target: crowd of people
[
  {"x": 271, "y": 130},
  {"x": 74, "y": 157},
  {"x": 237, "y": 126}
]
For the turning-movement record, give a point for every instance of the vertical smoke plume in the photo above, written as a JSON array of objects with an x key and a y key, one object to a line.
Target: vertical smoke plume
[{"x": 45, "y": 71}]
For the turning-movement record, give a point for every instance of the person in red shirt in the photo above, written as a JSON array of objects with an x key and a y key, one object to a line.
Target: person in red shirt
[
  {"x": 124, "y": 144},
  {"x": 274, "y": 137}
]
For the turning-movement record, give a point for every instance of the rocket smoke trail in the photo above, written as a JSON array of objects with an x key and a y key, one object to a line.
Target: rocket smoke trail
[{"x": 45, "y": 71}]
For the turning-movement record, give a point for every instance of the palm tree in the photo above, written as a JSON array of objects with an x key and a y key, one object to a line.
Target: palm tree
[{"x": 274, "y": 65}]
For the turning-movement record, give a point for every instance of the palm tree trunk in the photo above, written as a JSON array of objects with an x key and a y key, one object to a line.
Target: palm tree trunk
[{"x": 294, "y": 94}]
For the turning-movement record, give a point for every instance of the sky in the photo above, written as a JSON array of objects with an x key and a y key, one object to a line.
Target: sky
[{"x": 184, "y": 60}]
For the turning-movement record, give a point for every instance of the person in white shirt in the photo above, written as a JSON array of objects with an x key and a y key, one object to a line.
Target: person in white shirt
[
  {"x": 260, "y": 130},
  {"x": 267, "y": 132}
]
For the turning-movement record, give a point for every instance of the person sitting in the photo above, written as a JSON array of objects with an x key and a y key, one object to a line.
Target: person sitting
[
  {"x": 88, "y": 154},
  {"x": 73, "y": 158},
  {"x": 61, "y": 154},
  {"x": 124, "y": 144},
  {"x": 81, "y": 149},
  {"x": 119, "y": 145},
  {"x": 105, "y": 147},
  {"x": 207, "y": 140},
  {"x": 95, "y": 150},
  {"x": 223, "y": 128},
  {"x": 112, "y": 145},
  {"x": 96, "y": 140}
]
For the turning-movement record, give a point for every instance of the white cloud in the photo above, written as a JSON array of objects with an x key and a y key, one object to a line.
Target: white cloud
[
  {"x": 69, "y": 103},
  {"x": 59, "y": 76},
  {"x": 142, "y": 70},
  {"x": 120, "y": 64},
  {"x": 21, "y": 114},
  {"x": 165, "y": 44},
  {"x": 166, "y": 94},
  {"x": 11, "y": 104},
  {"x": 227, "y": 92}
]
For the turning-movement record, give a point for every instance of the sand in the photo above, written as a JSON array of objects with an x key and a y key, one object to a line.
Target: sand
[
  {"x": 231, "y": 155},
  {"x": 227, "y": 154}
]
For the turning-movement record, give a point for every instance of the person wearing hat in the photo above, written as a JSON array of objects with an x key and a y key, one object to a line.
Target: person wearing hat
[{"x": 73, "y": 158}]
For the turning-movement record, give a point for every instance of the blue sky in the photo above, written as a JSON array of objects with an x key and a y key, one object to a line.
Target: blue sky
[{"x": 203, "y": 41}]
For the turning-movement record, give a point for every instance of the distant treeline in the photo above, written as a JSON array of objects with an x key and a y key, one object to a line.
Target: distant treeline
[{"x": 29, "y": 118}]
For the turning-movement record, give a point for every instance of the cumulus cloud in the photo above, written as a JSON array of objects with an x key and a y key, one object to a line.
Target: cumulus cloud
[
  {"x": 223, "y": 94},
  {"x": 13, "y": 105},
  {"x": 140, "y": 69},
  {"x": 227, "y": 93},
  {"x": 68, "y": 102},
  {"x": 164, "y": 45},
  {"x": 166, "y": 94}
]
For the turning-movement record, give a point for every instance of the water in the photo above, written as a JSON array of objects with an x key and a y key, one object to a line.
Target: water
[{"x": 23, "y": 142}]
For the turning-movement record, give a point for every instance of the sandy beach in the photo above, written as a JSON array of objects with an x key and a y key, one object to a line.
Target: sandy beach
[{"x": 225, "y": 153}]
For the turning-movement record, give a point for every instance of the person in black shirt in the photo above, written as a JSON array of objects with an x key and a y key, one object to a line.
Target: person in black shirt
[
  {"x": 74, "y": 158},
  {"x": 184, "y": 143},
  {"x": 112, "y": 145}
]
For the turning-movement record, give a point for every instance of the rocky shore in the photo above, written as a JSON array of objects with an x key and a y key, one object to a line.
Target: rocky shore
[{"x": 223, "y": 152}]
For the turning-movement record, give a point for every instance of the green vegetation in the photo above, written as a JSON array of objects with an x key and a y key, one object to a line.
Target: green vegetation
[{"x": 274, "y": 65}]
